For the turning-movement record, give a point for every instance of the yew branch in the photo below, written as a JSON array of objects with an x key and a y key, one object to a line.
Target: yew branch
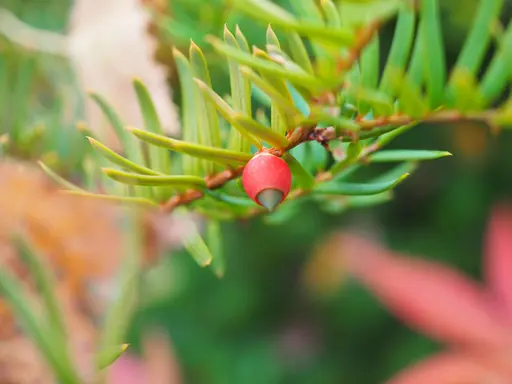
[{"x": 313, "y": 133}]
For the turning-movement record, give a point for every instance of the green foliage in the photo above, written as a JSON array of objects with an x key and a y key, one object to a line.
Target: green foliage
[
  {"x": 326, "y": 87},
  {"x": 32, "y": 112},
  {"x": 244, "y": 314}
]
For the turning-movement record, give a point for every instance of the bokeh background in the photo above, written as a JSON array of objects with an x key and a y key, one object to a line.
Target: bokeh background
[{"x": 279, "y": 315}]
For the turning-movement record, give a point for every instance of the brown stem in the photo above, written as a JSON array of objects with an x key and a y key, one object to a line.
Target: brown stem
[
  {"x": 363, "y": 39},
  {"x": 212, "y": 182}
]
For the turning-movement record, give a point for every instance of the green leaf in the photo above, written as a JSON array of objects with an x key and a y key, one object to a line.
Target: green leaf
[
  {"x": 477, "y": 42},
  {"x": 132, "y": 148},
  {"x": 311, "y": 155},
  {"x": 300, "y": 102},
  {"x": 381, "y": 103},
  {"x": 231, "y": 200},
  {"x": 396, "y": 172},
  {"x": 283, "y": 103},
  {"x": 282, "y": 117},
  {"x": 20, "y": 91},
  {"x": 209, "y": 153},
  {"x": 352, "y": 156},
  {"x": 474, "y": 49},
  {"x": 261, "y": 117},
  {"x": 499, "y": 71},
  {"x": 264, "y": 10},
  {"x": 160, "y": 160},
  {"x": 12, "y": 292},
  {"x": 308, "y": 11},
  {"x": 117, "y": 159},
  {"x": 59, "y": 180},
  {"x": 226, "y": 112},
  {"x": 180, "y": 29},
  {"x": 107, "y": 357},
  {"x": 214, "y": 241},
  {"x": 260, "y": 96},
  {"x": 299, "y": 52},
  {"x": 120, "y": 312},
  {"x": 276, "y": 55},
  {"x": 242, "y": 41},
  {"x": 240, "y": 95},
  {"x": 386, "y": 138},
  {"x": 334, "y": 37},
  {"x": 330, "y": 13},
  {"x": 178, "y": 181},
  {"x": 416, "y": 70},
  {"x": 272, "y": 37},
  {"x": 4, "y": 91},
  {"x": 44, "y": 283},
  {"x": 147, "y": 108},
  {"x": 504, "y": 115},
  {"x": 4, "y": 141},
  {"x": 370, "y": 64},
  {"x": 208, "y": 123},
  {"x": 369, "y": 201},
  {"x": 341, "y": 188},
  {"x": 301, "y": 78},
  {"x": 194, "y": 243},
  {"x": 374, "y": 132},
  {"x": 264, "y": 133},
  {"x": 348, "y": 172},
  {"x": 339, "y": 123},
  {"x": 302, "y": 177},
  {"x": 433, "y": 51},
  {"x": 410, "y": 97},
  {"x": 117, "y": 199},
  {"x": 464, "y": 93},
  {"x": 400, "y": 46},
  {"x": 268, "y": 12},
  {"x": 406, "y": 155},
  {"x": 356, "y": 13},
  {"x": 191, "y": 165},
  {"x": 339, "y": 204}
]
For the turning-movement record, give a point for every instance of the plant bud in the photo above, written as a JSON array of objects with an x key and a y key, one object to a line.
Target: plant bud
[{"x": 267, "y": 180}]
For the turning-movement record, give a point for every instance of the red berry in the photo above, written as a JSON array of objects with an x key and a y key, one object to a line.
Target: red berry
[{"x": 267, "y": 180}]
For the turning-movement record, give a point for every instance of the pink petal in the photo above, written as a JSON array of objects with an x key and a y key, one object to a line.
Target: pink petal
[
  {"x": 449, "y": 368},
  {"x": 498, "y": 252},
  {"x": 426, "y": 295},
  {"x": 128, "y": 370}
]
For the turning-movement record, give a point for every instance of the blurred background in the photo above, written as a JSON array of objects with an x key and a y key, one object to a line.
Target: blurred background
[{"x": 281, "y": 313}]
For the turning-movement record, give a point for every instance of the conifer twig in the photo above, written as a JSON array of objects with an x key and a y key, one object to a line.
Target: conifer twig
[{"x": 313, "y": 133}]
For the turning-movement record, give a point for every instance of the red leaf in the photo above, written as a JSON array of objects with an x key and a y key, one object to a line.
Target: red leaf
[
  {"x": 449, "y": 368},
  {"x": 426, "y": 295},
  {"x": 498, "y": 251},
  {"x": 128, "y": 370}
]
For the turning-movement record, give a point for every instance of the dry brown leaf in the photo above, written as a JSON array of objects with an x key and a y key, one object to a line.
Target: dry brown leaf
[
  {"x": 81, "y": 241},
  {"x": 21, "y": 363},
  {"x": 79, "y": 237}
]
